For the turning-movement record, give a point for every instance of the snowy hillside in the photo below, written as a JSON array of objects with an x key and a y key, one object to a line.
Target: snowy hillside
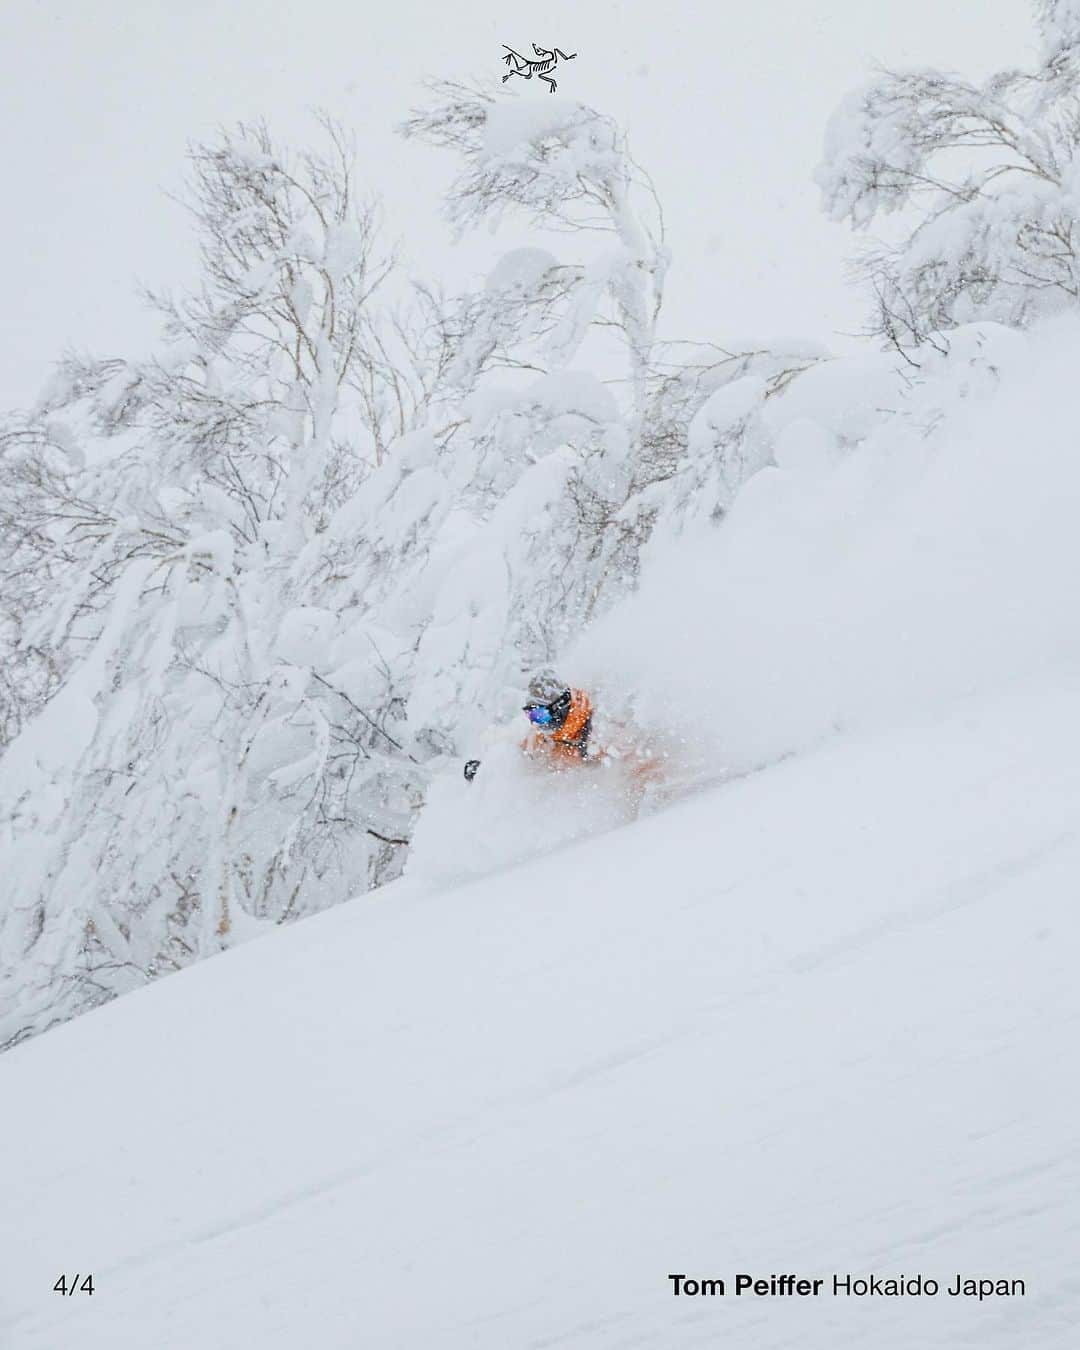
[
  {"x": 820, "y": 1020},
  {"x": 755, "y": 1023},
  {"x": 818, "y": 1017}
]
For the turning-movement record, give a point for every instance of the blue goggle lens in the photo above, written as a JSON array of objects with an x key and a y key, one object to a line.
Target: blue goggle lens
[{"x": 540, "y": 717}]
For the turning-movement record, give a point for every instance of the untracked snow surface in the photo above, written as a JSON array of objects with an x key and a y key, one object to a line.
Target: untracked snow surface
[{"x": 821, "y": 1019}]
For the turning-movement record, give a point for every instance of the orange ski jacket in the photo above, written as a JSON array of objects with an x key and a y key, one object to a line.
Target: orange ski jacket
[{"x": 571, "y": 741}]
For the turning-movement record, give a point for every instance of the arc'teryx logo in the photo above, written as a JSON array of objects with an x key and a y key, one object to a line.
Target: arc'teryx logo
[{"x": 545, "y": 63}]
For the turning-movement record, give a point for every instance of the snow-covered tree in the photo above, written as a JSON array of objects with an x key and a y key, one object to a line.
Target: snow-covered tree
[
  {"x": 34, "y": 558},
  {"x": 548, "y": 392},
  {"x": 987, "y": 179},
  {"x": 568, "y": 388},
  {"x": 198, "y": 770}
]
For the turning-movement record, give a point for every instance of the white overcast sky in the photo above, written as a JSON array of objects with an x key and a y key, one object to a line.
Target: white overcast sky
[{"x": 725, "y": 104}]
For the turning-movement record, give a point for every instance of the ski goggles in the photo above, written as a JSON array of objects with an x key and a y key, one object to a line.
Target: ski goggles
[{"x": 544, "y": 714}]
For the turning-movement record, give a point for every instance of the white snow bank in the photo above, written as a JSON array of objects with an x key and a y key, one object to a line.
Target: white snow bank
[{"x": 512, "y": 811}]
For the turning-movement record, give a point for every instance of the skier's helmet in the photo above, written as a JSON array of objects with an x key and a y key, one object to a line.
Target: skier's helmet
[
  {"x": 545, "y": 687},
  {"x": 549, "y": 701}
]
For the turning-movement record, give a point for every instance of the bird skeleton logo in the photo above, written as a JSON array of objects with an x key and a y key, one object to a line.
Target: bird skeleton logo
[{"x": 545, "y": 62}]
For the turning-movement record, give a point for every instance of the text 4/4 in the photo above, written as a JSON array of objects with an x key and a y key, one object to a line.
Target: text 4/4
[{"x": 70, "y": 1284}]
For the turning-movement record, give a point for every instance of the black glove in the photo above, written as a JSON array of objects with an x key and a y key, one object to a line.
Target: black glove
[{"x": 471, "y": 766}]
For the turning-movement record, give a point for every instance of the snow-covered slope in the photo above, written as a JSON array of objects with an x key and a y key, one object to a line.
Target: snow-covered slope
[{"x": 821, "y": 1019}]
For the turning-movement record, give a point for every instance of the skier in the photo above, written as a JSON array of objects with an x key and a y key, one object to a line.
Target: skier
[
  {"x": 563, "y": 720},
  {"x": 562, "y": 735}
]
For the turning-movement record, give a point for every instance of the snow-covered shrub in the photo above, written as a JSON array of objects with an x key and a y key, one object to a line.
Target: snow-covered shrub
[
  {"x": 35, "y": 561},
  {"x": 987, "y": 177},
  {"x": 199, "y": 770},
  {"x": 569, "y": 384}
]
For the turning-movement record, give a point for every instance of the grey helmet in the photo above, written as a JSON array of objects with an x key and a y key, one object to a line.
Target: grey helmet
[
  {"x": 545, "y": 687},
  {"x": 549, "y": 702}
]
